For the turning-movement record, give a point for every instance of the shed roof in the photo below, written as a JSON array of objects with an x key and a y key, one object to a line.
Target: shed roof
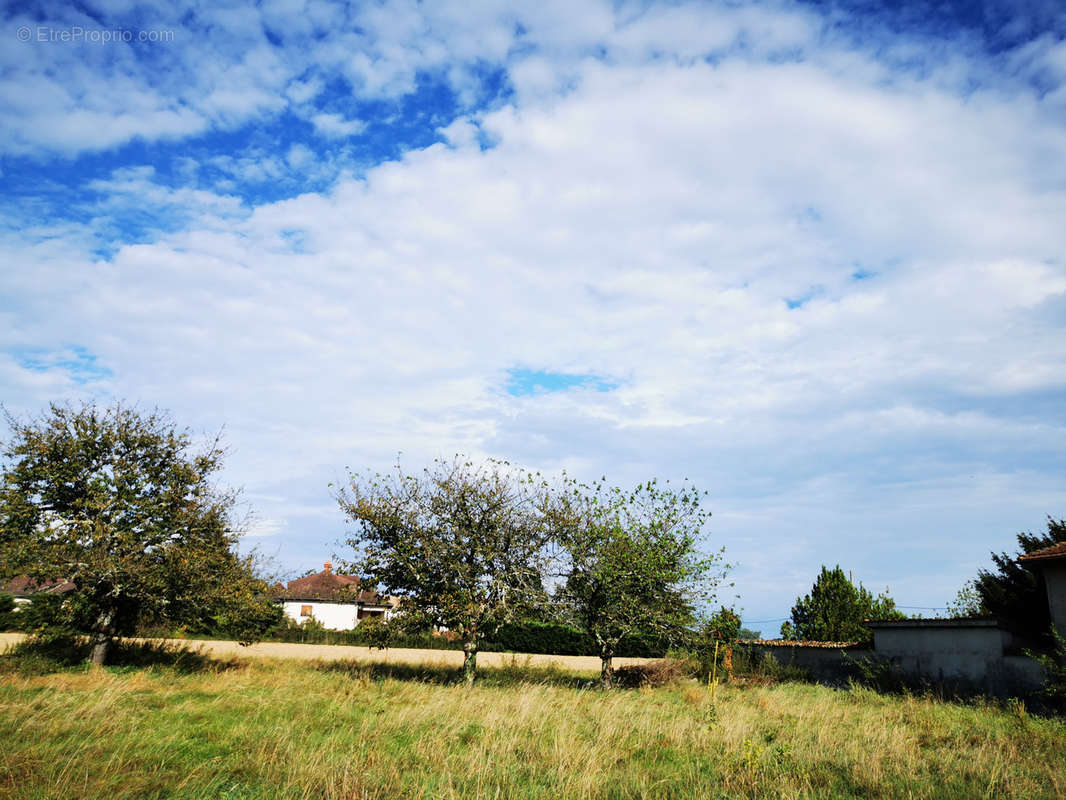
[
  {"x": 955, "y": 622},
  {"x": 1055, "y": 551}
]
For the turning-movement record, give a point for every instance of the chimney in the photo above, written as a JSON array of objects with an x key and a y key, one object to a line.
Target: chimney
[{"x": 328, "y": 567}]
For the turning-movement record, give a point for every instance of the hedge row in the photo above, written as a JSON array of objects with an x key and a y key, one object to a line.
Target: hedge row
[
  {"x": 564, "y": 640},
  {"x": 529, "y": 637}
]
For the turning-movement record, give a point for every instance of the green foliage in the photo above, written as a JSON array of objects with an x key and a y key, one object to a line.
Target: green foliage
[
  {"x": 463, "y": 544},
  {"x": 468, "y": 548},
  {"x": 345, "y": 730},
  {"x": 539, "y": 637},
  {"x": 567, "y": 640},
  {"x": 1053, "y": 693},
  {"x": 1015, "y": 595},
  {"x": 967, "y": 602},
  {"x": 723, "y": 626},
  {"x": 312, "y": 632},
  {"x": 376, "y": 632},
  {"x": 748, "y": 633},
  {"x": 8, "y": 615},
  {"x": 55, "y": 616},
  {"x": 116, "y": 502},
  {"x": 835, "y": 610},
  {"x": 635, "y": 567},
  {"x": 519, "y": 637},
  {"x": 764, "y": 668},
  {"x": 711, "y": 646},
  {"x": 311, "y": 626}
]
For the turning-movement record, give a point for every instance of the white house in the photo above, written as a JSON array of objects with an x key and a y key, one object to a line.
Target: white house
[{"x": 334, "y": 601}]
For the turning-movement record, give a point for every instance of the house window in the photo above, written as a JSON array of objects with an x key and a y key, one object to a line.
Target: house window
[
  {"x": 363, "y": 613},
  {"x": 305, "y": 611}
]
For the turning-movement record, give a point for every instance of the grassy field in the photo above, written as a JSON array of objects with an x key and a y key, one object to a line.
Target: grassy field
[{"x": 287, "y": 729}]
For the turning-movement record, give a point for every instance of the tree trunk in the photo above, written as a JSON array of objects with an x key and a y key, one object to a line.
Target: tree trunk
[
  {"x": 606, "y": 654},
  {"x": 101, "y": 639},
  {"x": 469, "y": 662}
]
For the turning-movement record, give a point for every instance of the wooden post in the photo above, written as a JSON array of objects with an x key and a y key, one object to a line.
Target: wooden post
[{"x": 714, "y": 671}]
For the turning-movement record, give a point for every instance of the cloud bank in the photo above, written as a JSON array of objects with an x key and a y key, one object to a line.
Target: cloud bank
[{"x": 808, "y": 256}]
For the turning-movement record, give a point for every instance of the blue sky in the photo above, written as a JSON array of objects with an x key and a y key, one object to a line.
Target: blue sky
[{"x": 807, "y": 255}]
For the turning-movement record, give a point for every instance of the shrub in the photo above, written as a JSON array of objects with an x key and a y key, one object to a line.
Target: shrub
[
  {"x": 654, "y": 673},
  {"x": 54, "y": 616},
  {"x": 1053, "y": 693},
  {"x": 376, "y": 632},
  {"x": 749, "y": 666},
  {"x": 8, "y": 615},
  {"x": 765, "y": 668}
]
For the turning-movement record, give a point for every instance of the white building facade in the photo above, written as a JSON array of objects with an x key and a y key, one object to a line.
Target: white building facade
[{"x": 335, "y": 602}]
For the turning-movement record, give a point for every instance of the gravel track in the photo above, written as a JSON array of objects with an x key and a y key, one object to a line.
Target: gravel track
[{"x": 398, "y": 655}]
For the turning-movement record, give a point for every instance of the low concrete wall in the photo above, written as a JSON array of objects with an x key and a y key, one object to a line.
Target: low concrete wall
[
  {"x": 966, "y": 655},
  {"x": 834, "y": 665},
  {"x": 960, "y": 655}
]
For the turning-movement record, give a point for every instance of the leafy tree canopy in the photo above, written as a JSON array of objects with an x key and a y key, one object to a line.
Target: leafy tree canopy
[
  {"x": 967, "y": 603},
  {"x": 464, "y": 544},
  {"x": 634, "y": 562},
  {"x": 117, "y": 502},
  {"x": 835, "y": 610}
]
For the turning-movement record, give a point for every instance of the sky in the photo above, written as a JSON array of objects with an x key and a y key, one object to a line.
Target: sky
[{"x": 807, "y": 255}]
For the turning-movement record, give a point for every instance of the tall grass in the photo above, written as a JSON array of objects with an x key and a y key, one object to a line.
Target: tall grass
[{"x": 349, "y": 730}]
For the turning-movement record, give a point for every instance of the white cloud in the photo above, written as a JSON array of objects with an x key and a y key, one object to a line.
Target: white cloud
[
  {"x": 642, "y": 218},
  {"x": 336, "y": 126},
  {"x": 299, "y": 156}
]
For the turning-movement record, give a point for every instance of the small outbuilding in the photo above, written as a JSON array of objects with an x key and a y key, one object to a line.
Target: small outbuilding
[
  {"x": 967, "y": 653},
  {"x": 334, "y": 601},
  {"x": 1050, "y": 564}
]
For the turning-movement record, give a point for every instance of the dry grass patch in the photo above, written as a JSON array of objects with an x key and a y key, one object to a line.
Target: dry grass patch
[{"x": 288, "y": 730}]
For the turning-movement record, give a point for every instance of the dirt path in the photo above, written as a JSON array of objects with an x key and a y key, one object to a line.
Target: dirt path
[{"x": 399, "y": 655}]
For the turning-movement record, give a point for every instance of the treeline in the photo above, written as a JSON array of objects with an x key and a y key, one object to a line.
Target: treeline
[
  {"x": 480, "y": 548},
  {"x": 125, "y": 507}
]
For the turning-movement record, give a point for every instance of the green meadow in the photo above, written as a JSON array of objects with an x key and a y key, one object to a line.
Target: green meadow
[{"x": 287, "y": 729}]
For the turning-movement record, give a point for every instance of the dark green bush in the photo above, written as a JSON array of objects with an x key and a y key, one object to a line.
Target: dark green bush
[
  {"x": 565, "y": 640},
  {"x": 53, "y": 615},
  {"x": 8, "y": 615},
  {"x": 654, "y": 673},
  {"x": 540, "y": 637}
]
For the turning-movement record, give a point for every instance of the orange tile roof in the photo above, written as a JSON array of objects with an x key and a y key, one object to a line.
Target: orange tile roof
[
  {"x": 1055, "y": 551},
  {"x": 800, "y": 643},
  {"x": 327, "y": 585},
  {"x": 25, "y": 586}
]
